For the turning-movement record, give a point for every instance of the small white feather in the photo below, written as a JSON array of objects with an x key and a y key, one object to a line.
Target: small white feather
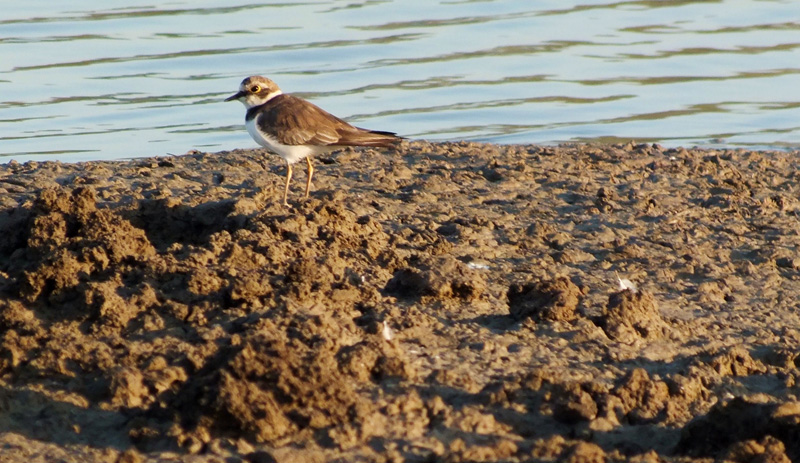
[
  {"x": 388, "y": 333},
  {"x": 626, "y": 284}
]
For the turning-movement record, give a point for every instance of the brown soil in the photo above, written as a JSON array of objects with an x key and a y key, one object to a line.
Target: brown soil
[{"x": 172, "y": 309}]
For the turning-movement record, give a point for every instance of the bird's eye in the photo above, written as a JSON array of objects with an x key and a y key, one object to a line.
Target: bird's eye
[{"x": 255, "y": 89}]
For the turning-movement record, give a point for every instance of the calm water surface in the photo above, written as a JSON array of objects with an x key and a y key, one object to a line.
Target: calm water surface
[{"x": 87, "y": 79}]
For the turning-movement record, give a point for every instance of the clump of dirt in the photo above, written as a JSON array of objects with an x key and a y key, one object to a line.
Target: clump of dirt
[
  {"x": 88, "y": 277},
  {"x": 574, "y": 404},
  {"x": 436, "y": 277},
  {"x": 268, "y": 388},
  {"x": 67, "y": 243},
  {"x": 631, "y": 315},
  {"x": 642, "y": 399},
  {"x": 584, "y": 452},
  {"x": 637, "y": 399},
  {"x": 744, "y": 427},
  {"x": 289, "y": 374},
  {"x": 735, "y": 361},
  {"x": 768, "y": 450},
  {"x": 549, "y": 300}
]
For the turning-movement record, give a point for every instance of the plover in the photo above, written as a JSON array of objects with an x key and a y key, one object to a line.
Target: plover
[{"x": 296, "y": 129}]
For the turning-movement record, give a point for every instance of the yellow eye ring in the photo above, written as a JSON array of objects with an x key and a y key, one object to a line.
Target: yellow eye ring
[{"x": 255, "y": 89}]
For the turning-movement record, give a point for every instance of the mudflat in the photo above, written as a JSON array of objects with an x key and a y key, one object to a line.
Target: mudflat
[{"x": 438, "y": 302}]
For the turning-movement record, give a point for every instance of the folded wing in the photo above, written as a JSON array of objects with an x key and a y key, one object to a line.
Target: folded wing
[{"x": 294, "y": 121}]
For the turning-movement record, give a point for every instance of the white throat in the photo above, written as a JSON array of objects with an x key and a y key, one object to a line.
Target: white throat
[{"x": 251, "y": 101}]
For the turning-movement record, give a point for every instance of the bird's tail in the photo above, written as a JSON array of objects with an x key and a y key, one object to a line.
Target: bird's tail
[{"x": 373, "y": 138}]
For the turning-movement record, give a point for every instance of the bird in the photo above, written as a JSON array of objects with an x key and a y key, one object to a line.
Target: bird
[{"x": 295, "y": 129}]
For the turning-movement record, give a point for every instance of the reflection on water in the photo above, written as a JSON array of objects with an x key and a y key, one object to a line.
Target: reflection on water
[{"x": 82, "y": 81}]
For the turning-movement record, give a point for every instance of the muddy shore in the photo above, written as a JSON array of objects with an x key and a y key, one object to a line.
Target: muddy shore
[{"x": 439, "y": 302}]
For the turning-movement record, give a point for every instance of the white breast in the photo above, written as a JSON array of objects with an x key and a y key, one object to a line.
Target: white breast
[{"x": 291, "y": 153}]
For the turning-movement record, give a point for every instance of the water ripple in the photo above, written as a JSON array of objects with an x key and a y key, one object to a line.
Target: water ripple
[{"x": 84, "y": 81}]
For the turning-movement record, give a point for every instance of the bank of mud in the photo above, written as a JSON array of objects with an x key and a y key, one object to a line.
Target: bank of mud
[{"x": 438, "y": 302}]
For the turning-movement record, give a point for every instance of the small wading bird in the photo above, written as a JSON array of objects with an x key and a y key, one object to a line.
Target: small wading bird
[{"x": 295, "y": 129}]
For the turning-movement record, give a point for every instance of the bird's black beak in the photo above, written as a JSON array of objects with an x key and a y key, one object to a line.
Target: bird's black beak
[{"x": 235, "y": 96}]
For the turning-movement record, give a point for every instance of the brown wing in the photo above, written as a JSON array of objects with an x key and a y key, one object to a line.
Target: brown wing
[{"x": 295, "y": 121}]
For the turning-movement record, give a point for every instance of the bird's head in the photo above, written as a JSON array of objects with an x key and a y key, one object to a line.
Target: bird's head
[{"x": 255, "y": 91}]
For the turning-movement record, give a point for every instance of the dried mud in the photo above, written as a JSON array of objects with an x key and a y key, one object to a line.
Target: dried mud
[{"x": 439, "y": 302}]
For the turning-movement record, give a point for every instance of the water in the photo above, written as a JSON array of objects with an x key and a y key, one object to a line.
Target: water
[{"x": 83, "y": 80}]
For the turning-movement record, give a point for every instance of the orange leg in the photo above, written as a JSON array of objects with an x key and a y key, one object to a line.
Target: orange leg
[
  {"x": 286, "y": 188},
  {"x": 310, "y": 174}
]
